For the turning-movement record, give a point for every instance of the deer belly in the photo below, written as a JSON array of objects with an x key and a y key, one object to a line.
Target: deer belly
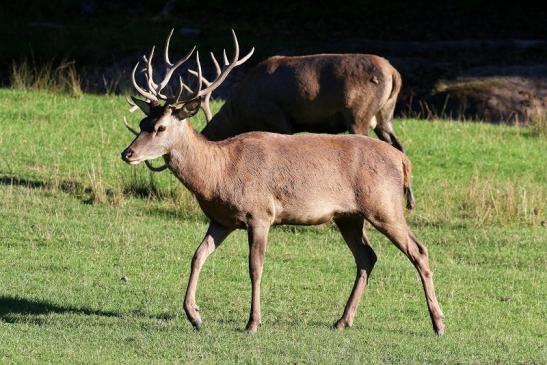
[{"x": 312, "y": 213}]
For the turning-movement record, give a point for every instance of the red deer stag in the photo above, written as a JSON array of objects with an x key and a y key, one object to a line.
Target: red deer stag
[
  {"x": 325, "y": 93},
  {"x": 258, "y": 179}
]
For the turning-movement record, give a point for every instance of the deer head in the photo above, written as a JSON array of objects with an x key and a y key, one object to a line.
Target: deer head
[
  {"x": 162, "y": 124},
  {"x": 159, "y": 130}
]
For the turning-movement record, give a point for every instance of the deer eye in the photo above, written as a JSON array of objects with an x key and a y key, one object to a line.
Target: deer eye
[{"x": 160, "y": 129}]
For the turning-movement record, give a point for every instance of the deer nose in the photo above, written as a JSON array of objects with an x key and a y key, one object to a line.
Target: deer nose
[{"x": 126, "y": 154}]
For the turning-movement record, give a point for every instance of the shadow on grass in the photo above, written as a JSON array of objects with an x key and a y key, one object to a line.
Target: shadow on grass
[
  {"x": 66, "y": 186},
  {"x": 136, "y": 187},
  {"x": 11, "y": 307}
]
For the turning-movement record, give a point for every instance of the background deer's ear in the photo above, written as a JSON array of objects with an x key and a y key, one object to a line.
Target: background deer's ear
[
  {"x": 188, "y": 109},
  {"x": 143, "y": 105}
]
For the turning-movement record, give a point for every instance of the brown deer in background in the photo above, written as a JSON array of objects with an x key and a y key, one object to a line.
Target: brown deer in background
[
  {"x": 255, "y": 180},
  {"x": 325, "y": 93}
]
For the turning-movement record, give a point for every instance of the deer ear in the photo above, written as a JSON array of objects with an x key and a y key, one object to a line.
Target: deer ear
[
  {"x": 143, "y": 105},
  {"x": 188, "y": 109}
]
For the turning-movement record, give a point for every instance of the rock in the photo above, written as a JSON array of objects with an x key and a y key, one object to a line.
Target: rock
[{"x": 505, "y": 99}]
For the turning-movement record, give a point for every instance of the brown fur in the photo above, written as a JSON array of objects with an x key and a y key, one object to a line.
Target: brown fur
[
  {"x": 326, "y": 93},
  {"x": 256, "y": 180}
]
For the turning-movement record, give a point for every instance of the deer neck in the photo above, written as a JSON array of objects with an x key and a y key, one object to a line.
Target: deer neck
[{"x": 197, "y": 162}]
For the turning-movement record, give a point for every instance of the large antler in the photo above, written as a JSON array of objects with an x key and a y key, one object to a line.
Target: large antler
[
  {"x": 153, "y": 93},
  {"x": 221, "y": 74}
]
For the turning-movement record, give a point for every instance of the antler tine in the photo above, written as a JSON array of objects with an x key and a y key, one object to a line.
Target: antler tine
[
  {"x": 235, "y": 62},
  {"x": 182, "y": 87},
  {"x": 205, "y": 101},
  {"x": 141, "y": 91},
  {"x": 200, "y": 76},
  {"x": 186, "y": 87},
  {"x": 236, "y": 47},
  {"x": 247, "y": 56},
  {"x": 150, "y": 71},
  {"x": 221, "y": 74},
  {"x": 166, "y": 51},
  {"x": 206, "y": 108},
  {"x": 132, "y": 104},
  {"x": 129, "y": 127},
  {"x": 194, "y": 73},
  {"x": 226, "y": 63},
  {"x": 217, "y": 69},
  {"x": 172, "y": 68},
  {"x": 215, "y": 62}
]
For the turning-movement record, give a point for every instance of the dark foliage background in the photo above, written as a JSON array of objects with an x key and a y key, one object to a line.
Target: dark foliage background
[
  {"x": 94, "y": 31},
  {"x": 434, "y": 44}
]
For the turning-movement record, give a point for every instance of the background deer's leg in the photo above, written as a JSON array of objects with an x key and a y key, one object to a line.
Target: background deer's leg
[
  {"x": 384, "y": 125},
  {"x": 385, "y": 133},
  {"x": 354, "y": 234},
  {"x": 213, "y": 238},
  {"x": 258, "y": 239},
  {"x": 359, "y": 119}
]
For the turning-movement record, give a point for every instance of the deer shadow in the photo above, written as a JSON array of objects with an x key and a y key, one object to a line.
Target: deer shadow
[
  {"x": 12, "y": 306},
  {"x": 66, "y": 186}
]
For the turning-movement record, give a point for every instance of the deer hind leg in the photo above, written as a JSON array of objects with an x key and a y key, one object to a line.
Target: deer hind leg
[
  {"x": 352, "y": 229},
  {"x": 213, "y": 238},
  {"x": 384, "y": 125},
  {"x": 405, "y": 240},
  {"x": 258, "y": 239},
  {"x": 358, "y": 120}
]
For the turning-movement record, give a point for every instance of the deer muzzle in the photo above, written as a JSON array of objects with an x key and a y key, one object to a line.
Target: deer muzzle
[{"x": 128, "y": 155}]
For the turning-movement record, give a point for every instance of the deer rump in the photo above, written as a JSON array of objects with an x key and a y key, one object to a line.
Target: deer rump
[{"x": 326, "y": 93}]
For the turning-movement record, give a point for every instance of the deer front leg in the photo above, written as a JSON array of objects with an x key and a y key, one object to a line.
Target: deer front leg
[
  {"x": 258, "y": 238},
  {"x": 213, "y": 238}
]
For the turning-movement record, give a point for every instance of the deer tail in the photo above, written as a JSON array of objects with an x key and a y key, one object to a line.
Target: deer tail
[
  {"x": 407, "y": 186},
  {"x": 397, "y": 83}
]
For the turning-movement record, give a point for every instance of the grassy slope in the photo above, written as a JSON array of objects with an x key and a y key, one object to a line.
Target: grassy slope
[{"x": 61, "y": 258}]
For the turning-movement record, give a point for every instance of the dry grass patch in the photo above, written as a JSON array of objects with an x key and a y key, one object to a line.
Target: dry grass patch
[
  {"x": 489, "y": 202},
  {"x": 61, "y": 77}
]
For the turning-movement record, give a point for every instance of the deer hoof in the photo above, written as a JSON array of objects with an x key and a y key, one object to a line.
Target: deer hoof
[
  {"x": 197, "y": 324},
  {"x": 252, "y": 327},
  {"x": 439, "y": 328},
  {"x": 341, "y": 325},
  {"x": 251, "y": 330}
]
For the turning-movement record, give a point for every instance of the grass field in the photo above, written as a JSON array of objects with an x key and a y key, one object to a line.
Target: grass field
[{"x": 95, "y": 254}]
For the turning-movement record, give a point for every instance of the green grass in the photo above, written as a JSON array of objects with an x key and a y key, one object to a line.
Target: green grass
[{"x": 94, "y": 254}]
